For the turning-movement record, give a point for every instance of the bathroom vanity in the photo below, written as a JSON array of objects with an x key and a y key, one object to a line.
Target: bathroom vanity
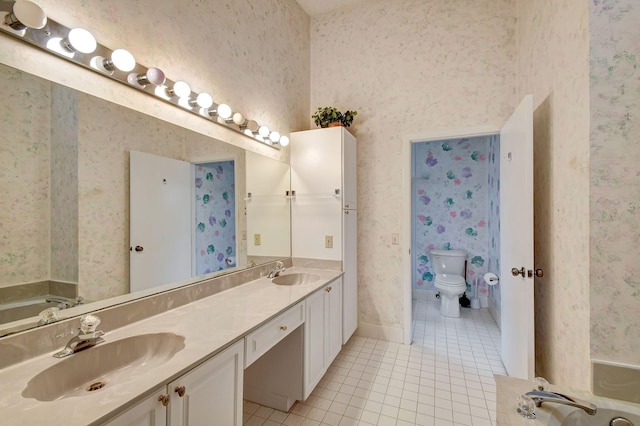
[{"x": 187, "y": 365}]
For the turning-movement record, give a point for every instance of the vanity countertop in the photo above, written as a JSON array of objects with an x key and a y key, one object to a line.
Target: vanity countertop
[{"x": 208, "y": 326}]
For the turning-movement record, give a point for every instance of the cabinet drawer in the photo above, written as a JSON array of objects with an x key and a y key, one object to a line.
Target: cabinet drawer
[{"x": 267, "y": 336}]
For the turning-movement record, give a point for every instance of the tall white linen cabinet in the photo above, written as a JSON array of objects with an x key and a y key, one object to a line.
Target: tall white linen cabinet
[{"x": 324, "y": 213}]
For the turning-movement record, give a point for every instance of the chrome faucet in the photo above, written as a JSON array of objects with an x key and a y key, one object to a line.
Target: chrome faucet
[
  {"x": 540, "y": 397},
  {"x": 86, "y": 337},
  {"x": 276, "y": 270},
  {"x": 63, "y": 302}
]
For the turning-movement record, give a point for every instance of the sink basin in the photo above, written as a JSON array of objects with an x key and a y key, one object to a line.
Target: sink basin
[
  {"x": 104, "y": 364},
  {"x": 297, "y": 278}
]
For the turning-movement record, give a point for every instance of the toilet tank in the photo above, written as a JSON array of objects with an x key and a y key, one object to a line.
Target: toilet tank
[{"x": 448, "y": 261}]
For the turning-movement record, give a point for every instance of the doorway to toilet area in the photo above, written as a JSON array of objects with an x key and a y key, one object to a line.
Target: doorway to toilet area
[{"x": 455, "y": 207}]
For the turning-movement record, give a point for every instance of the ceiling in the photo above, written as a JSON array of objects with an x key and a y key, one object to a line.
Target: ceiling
[{"x": 315, "y": 7}]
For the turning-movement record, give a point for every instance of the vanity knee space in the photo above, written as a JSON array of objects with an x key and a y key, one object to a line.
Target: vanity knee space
[{"x": 290, "y": 368}]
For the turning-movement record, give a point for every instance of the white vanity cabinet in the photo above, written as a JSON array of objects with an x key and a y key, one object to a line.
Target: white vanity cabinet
[
  {"x": 324, "y": 209},
  {"x": 210, "y": 393},
  {"x": 322, "y": 333}
]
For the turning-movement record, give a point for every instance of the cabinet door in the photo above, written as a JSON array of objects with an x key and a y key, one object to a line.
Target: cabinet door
[
  {"x": 316, "y": 161},
  {"x": 350, "y": 277},
  {"x": 314, "y": 341},
  {"x": 349, "y": 171},
  {"x": 333, "y": 319},
  {"x": 149, "y": 412},
  {"x": 211, "y": 393}
]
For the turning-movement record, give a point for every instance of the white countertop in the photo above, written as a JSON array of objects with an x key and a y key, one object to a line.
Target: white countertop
[{"x": 208, "y": 326}]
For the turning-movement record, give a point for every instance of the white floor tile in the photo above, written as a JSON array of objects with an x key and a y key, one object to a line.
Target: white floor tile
[{"x": 444, "y": 378}]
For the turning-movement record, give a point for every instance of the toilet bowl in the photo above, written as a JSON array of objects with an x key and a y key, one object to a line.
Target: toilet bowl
[{"x": 448, "y": 266}]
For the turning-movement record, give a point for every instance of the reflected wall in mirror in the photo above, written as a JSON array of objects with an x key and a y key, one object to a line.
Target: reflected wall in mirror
[{"x": 64, "y": 175}]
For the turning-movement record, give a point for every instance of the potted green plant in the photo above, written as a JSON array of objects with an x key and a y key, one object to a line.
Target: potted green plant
[{"x": 330, "y": 116}]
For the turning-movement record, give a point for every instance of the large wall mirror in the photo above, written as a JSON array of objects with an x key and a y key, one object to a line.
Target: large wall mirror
[{"x": 65, "y": 167}]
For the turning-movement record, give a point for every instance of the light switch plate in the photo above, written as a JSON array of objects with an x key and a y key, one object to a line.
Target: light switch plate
[
  {"x": 328, "y": 241},
  {"x": 257, "y": 239}
]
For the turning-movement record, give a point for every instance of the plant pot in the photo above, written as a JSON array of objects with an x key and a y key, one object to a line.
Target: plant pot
[{"x": 336, "y": 124}]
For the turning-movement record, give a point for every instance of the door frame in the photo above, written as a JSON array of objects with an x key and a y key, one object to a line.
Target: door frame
[{"x": 427, "y": 136}]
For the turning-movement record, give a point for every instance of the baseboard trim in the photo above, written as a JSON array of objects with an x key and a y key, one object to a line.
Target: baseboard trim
[
  {"x": 429, "y": 295},
  {"x": 380, "y": 332}
]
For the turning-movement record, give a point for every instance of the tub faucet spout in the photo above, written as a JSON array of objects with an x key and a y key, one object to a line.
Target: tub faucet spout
[{"x": 540, "y": 397}]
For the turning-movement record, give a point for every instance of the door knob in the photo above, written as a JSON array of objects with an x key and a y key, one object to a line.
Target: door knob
[
  {"x": 139, "y": 248},
  {"x": 180, "y": 390},
  {"x": 515, "y": 272},
  {"x": 539, "y": 273}
]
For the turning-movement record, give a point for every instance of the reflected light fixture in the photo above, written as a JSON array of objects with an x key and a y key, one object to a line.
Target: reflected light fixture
[
  {"x": 274, "y": 137},
  {"x": 284, "y": 141},
  {"x": 120, "y": 59},
  {"x": 80, "y": 40},
  {"x": 25, "y": 14},
  {"x": 153, "y": 76}
]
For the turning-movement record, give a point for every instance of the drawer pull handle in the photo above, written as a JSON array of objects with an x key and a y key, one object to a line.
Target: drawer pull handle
[
  {"x": 283, "y": 327},
  {"x": 164, "y": 399},
  {"x": 328, "y": 289},
  {"x": 180, "y": 390}
]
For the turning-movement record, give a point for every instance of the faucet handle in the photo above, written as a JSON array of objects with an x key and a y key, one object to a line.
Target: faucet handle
[
  {"x": 88, "y": 323},
  {"x": 541, "y": 384}
]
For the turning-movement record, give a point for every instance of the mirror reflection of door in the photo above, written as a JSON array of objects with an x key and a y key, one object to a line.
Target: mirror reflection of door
[
  {"x": 160, "y": 227},
  {"x": 183, "y": 219}
]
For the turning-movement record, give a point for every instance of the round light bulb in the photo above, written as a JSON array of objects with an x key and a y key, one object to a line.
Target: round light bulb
[
  {"x": 81, "y": 40},
  {"x": 123, "y": 60},
  {"x": 25, "y": 14},
  {"x": 284, "y": 141},
  {"x": 248, "y": 132},
  {"x": 274, "y": 136},
  {"x": 155, "y": 76},
  {"x": 238, "y": 119},
  {"x": 264, "y": 131},
  {"x": 204, "y": 100},
  {"x": 181, "y": 89},
  {"x": 252, "y": 125},
  {"x": 224, "y": 111}
]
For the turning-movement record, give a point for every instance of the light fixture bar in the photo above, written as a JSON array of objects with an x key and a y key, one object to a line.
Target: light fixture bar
[{"x": 100, "y": 60}]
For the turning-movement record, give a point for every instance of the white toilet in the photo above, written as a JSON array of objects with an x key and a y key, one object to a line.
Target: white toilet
[{"x": 448, "y": 266}]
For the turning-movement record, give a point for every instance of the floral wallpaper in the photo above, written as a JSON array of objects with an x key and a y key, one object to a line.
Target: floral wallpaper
[
  {"x": 493, "y": 181},
  {"x": 450, "y": 194},
  {"x": 215, "y": 216}
]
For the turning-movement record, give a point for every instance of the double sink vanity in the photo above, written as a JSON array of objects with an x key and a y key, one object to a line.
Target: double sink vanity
[{"x": 269, "y": 340}]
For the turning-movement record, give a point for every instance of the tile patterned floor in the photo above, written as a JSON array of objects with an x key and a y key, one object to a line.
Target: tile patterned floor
[{"x": 444, "y": 378}]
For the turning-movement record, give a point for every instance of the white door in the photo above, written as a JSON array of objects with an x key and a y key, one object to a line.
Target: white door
[
  {"x": 161, "y": 220},
  {"x": 516, "y": 241}
]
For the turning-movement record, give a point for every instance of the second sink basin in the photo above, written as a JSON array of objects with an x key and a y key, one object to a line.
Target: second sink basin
[
  {"x": 102, "y": 365},
  {"x": 297, "y": 278}
]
